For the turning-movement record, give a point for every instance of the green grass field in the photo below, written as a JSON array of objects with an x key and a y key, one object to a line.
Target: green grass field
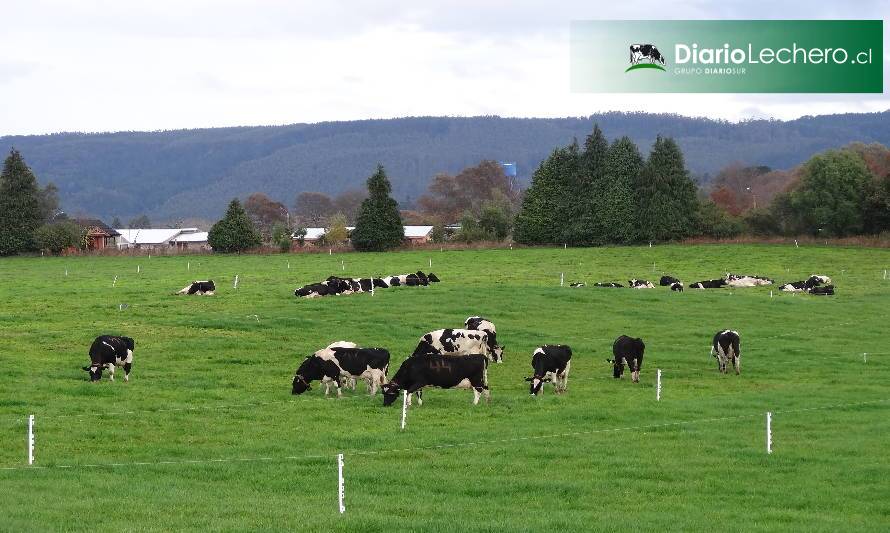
[{"x": 207, "y": 436}]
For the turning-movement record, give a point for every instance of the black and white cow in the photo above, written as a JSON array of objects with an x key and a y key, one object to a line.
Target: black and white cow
[
  {"x": 551, "y": 363},
  {"x": 815, "y": 280},
  {"x": 456, "y": 342},
  {"x": 433, "y": 278},
  {"x": 443, "y": 371},
  {"x": 479, "y": 323},
  {"x": 640, "y": 284},
  {"x": 206, "y": 288},
  {"x": 677, "y": 286},
  {"x": 627, "y": 350},
  {"x": 709, "y": 284},
  {"x": 314, "y": 290},
  {"x": 822, "y": 290},
  {"x": 333, "y": 364},
  {"x": 742, "y": 280},
  {"x": 607, "y": 284},
  {"x": 392, "y": 281},
  {"x": 108, "y": 351},
  {"x": 576, "y": 284},
  {"x": 639, "y": 52},
  {"x": 667, "y": 281},
  {"x": 726, "y": 348}
]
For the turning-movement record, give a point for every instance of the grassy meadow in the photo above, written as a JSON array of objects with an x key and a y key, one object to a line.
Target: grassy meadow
[{"x": 206, "y": 435}]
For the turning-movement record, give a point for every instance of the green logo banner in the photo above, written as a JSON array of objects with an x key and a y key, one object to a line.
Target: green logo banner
[{"x": 727, "y": 56}]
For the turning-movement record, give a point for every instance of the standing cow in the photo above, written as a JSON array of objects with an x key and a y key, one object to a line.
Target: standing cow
[
  {"x": 336, "y": 363},
  {"x": 108, "y": 351},
  {"x": 551, "y": 363},
  {"x": 479, "y": 323},
  {"x": 456, "y": 342},
  {"x": 725, "y": 348},
  {"x": 627, "y": 350},
  {"x": 443, "y": 371}
]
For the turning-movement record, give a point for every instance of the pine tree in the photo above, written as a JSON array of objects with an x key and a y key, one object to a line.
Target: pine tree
[
  {"x": 623, "y": 165},
  {"x": 20, "y": 206},
  {"x": 235, "y": 232},
  {"x": 584, "y": 204},
  {"x": 378, "y": 226},
  {"x": 542, "y": 217},
  {"x": 667, "y": 205}
]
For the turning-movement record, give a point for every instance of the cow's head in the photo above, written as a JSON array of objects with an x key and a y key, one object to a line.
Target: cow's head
[
  {"x": 537, "y": 383},
  {"x": 95, "y": 372},
  {"x": 390, "y": 392},
  {"x": 498, "y": 354},
  {"x": 300, "y": 385},
  {"x": 304, "y": 375},
  {"x": 617, "y": 367}
]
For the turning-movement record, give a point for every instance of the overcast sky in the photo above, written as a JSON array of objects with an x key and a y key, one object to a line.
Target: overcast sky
[{"x": 91, "y": 65}]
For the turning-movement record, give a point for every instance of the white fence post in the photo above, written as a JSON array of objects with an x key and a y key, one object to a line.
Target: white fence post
[
  {"x": 30, "y": 439},
  {"x": 865, "y": 358},
  {"x": 431, "y": 262},
  {"x": 561, "y": 278},
  {"x": 404, "y": 407},
  {"x": 235, "y": 286},
  {"x": 188, "y": 265},
  {"x": 66, "y": 271},
  {"x": 372, "y": 285},
  {"x": 340, "y": 483},
  {"x": 769, "y": 432},
  {"x": 658, "y": 386},
  {"x": 138, "y": 268},
  {"x": 113, "y": 283}
]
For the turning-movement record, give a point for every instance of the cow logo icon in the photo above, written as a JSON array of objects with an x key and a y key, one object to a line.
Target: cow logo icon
[{"x": 640, "y": 53}]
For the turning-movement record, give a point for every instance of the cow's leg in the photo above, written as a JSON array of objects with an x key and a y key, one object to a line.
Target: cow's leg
[
  {"x": 110, "y": 368},
  {"x": 737, "y": 363},
  {"x": 127, "y": 367},
  {"x": 476, "y": 395}
]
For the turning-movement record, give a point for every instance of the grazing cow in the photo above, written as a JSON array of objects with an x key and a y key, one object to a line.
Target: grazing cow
[
  {"x": 479, "y": 323},
  {"x": 627, "y": 350},
  {"x": 457, "y": 342},
  {"x": 800, "y": 286},
  {"x": 607, "y": 284},
  {"x": 726, "y": 348},
  {"x": 551, "y": 363},
  {"x": 342, "y": 362},
  {"x": 639, "y": 52},
  {"x": 709, "y": 284},
  {"x": 108, "y": 351},
  {"x": 205, "y": 288},
  {"x": 677, "y": 286},
  {"x": 741, "y": 280},
  {"x": 824, "y": 290},
  {"x": 667, "y": 281},
  {"x": 443, "y": 371},
  {"x": 640, "y": 284}
]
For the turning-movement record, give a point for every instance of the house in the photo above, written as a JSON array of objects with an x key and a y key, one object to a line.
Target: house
[
  {"x": 418, "y": 234},
  {"x": 161, "y": 238},
  {"x": 192, "y": 241},
  {"x": 98, "y": 234}
]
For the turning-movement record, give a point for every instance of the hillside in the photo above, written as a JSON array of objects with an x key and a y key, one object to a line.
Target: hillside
[{"x": 193, "y": 173}]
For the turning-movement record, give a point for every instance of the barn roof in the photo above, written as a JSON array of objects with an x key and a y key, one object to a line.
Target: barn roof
[
  {"x": 417, "y": 231},
  {"x": 152, "y": 236},
  {"x": 96, "y": 223},
  {"x": 196, "y": 236}
]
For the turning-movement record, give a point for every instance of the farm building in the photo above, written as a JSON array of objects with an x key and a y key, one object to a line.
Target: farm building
[
  {"x": 413, "y": 234},
  {"x": 162, "y": 238},
  {"x": 192, "y": 241},
  {"x": 99, "y": 235}
]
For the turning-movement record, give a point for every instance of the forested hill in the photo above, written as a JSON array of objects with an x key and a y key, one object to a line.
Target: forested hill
[{"x": 194, "y": 173}]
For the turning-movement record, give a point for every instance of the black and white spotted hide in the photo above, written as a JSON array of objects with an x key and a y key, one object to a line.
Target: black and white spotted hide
[
  {"x": 108, "y": 351},
  {"x": 479, "y": 323},
  {"x": 629, "y": 351},
  {"x": 455, "y": 342},
  {"x": 726, "y": 348},
  {"x": 205, "y": 288},
  {"x": 551, "y": 364}
]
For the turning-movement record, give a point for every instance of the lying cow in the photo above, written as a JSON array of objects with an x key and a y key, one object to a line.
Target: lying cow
[
  {"x": 741, "y": 280},
  {"x": 607, "y": 284},
  {"x": 667, "y": 281},
  {"x": 433, "y": 278},
  {"x": 314, "y": 290},
  {"x": 576, "y": 284},
  {"x": 443, "y": 371},
  {"x": 677, "y": 286},
  {"x": 640, "y": 284},
  {"x": 551, "y": 364},
  {"x": 802, "y": 286},
  {"x": 726, "y": 348},
  {"x": 479, "y": 323},
  {"x": 709, "y": 284},
  {"x": 457, "y": 342},
  {"x": 627, "y": 350},
  {"x": 824, "y": 290},
  {"x": 108, "y": 351},
  {"x": 339, "y": 362},
  {"x": 206, "y": 288}
]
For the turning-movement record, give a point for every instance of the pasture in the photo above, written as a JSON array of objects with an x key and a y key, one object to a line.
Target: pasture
[{"x": 206, "y": 434}]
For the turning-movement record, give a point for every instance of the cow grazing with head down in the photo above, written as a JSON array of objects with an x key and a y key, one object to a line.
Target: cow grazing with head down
[
  {"x": 457, "y": 342},
  {"x": 342, "y": 361},
  {"x": 438, "y": 370},
  {"x": 551, "y": 363},
  {"x": 708, "y": 284},
  {"x": 639, "y": 52},
  {"x": 479, "y": 323},
  {"x": 726, "y": 348},
  {"x": 108, "y": 351},
  {"x": 206, "y": 288},
  {"x": 627, "y": 350}
]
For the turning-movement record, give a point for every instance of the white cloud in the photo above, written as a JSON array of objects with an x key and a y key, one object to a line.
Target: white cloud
[{"x": 92, "y": 65}]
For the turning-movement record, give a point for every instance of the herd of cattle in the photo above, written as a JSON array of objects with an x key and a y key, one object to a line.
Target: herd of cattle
[
  {"x": 815, "y": 284},
  {"x": 334, "y": 286}
]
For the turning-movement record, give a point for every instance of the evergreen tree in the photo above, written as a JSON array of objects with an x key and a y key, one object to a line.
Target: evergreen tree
[
  {"x": 235, "y": 232},
  {"x": 542, "y": 217},
  {"x": 20, "y": 206},
  {"x": 623, "y": 165},
  {"x": 378, "y": 226},
  {"x": 584, "y": 204},
  {"x": 667, "y": 205}
]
